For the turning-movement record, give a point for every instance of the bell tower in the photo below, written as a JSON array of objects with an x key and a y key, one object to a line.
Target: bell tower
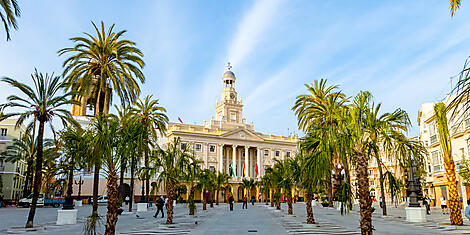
[{"x": 229, "y": 109}]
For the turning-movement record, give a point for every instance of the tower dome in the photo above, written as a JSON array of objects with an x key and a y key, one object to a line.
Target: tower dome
[{"x": 229, "y": 73}]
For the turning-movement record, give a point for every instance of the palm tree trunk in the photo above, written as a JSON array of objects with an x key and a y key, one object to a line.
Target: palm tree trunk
[
  {"x": 266, "y": 198},
  {"x": 272, "y": 198},
  {"x": 455, "y": 205},
  {"x": 113, "y": 195},
  {"x": 278, "y": 204},
  {"x": 29, "y": 176},
  {"x": 96, "y": 182},
  {"x": 147, "y": 176},
  {"x": 171, "y": 195},
  {"x": 364, "y": 195},
  {"x": 121, "y": 178},
  {"x": 308, "y": 201},
  {"x": 217, "y": 197},
  {"x": 204, "y": 200},
  {"x": 37, "y": 176},
  {"x": 211, "y": 196},
  {"x": 131, "y": 198},
  {"x": 330, "y": 191},
  {"x": 191, "y": 200},
  {"x": 289, "y": 202},
  {"x": 382, "y": 189}
]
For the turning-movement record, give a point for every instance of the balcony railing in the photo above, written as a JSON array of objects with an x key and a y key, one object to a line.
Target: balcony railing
[{"x": 433, "y": 139}]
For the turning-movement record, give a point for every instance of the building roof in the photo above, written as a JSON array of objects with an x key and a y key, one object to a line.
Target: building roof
[{"x": 228, "y": 74}]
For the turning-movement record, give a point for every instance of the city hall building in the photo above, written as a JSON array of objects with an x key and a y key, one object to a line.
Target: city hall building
[{"x": 229, "y": 144}]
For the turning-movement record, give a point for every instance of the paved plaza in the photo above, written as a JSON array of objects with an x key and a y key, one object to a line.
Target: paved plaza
[{"x": 258, "y": 219}]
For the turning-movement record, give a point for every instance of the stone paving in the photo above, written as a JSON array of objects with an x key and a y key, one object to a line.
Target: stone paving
[{"x": 258, "y": 219}]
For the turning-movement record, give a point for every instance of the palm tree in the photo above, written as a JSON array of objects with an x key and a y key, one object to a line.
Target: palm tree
[
  {"x": 43, "y": 103},
  {"x": 265, "y": 187},
  {"x": 285, "y": 181},
  {"x": 75, "y": 146},
  {"x": 269, "y": 174},
  {"x": 130, "y": 148},
  {"x": 191, "y": 175},
  {"x": 11, "y": 11},
  {"x": 151, "y": 117},
  {"x": 106, "y": 136},
  {"x": 319, "y": 108},
  {"x": 101, "y": 63},
  {"x": 220, "y": 181},
  {"x": 247, "y": 184},
  {"x": 170, "y": 165},
  {"x": 205, "y": 184},
  {"x": 454, "y": 202}
]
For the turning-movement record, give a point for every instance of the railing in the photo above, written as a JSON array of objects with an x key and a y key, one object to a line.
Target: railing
[{"x": 433, "y": 139}]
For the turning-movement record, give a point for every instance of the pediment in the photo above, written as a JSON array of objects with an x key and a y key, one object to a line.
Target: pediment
[{"x": 242, "y": 135}]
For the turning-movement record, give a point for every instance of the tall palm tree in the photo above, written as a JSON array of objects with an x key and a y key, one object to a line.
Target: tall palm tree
[
  {"x": 454, "y": 202},
  {"x": 152, "y": 117},
  {"x": 10, "y": 12},
  {"x": 221, "y": 180},
  {"x": 265, "y": 187},
  {"x": 319, "y": 108},
  {"x": 104, "y": 61},
  {"x": 285, "y": 180},
  {"x": 383, "y": 129},
  {"x": 43, "y": 102},
  {"x": 269, "y": 174},
  {"x": 170, "y": 163},
  {"x": 106, "y": 136}
]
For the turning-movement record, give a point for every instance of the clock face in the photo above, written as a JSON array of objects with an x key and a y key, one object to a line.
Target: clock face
[{"x": 232, "y": 95}]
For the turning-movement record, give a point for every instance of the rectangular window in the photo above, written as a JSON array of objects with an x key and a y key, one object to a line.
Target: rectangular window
[
  {"x": 183, "y": 145},
  {"x": 288, "y": 154},
  {"x": 198, "y": 147},
  {"x": 277, "y": 153},
  {"x": 436, "y": 161},
  {"x": 266, "y": 152},
  {"x": 212, "y": 168},
  {"x": 3, "y": 132},
  {"x": 233, "y": 116},
  {"x": 212, "y": 148}
]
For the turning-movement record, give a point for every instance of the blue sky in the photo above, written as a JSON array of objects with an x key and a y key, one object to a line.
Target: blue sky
[{"x": 404, "y": 52}]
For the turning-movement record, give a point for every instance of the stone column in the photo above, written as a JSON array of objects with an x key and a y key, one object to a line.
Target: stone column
[
  {"x": 246, "y": 161},
  {"x": 258, "y": 161},
  {"x": 234, "y": 159},
  {"x": 221, "y": 158},
  {"x": 227, "y": 162}
]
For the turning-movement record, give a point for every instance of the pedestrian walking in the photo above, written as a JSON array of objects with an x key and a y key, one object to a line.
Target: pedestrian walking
[
  {"x": 159, "y": 203},
  {"x": 230, "y": 201},
  {"x": 427, "y": 205},
  {"x": 467, "y": 210},
  {"x": 253, "y": 200},
  {"x": 245, "y": 202},
  {"x": 444, "y": 206}
]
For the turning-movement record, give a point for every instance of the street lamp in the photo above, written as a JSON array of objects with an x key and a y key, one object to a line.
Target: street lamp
[{"x": 413, "y": 187}]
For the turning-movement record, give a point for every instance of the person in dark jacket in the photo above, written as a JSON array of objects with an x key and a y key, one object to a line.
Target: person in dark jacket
[
  {"x": 159, "y": 203},
  {"x": 230, "y": 201}
]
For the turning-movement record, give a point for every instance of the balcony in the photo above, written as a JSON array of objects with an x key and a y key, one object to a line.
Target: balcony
[{"x": 434, "y": 139}]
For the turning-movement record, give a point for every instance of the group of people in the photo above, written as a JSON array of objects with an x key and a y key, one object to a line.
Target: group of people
[{"x": 231, "y": 200}]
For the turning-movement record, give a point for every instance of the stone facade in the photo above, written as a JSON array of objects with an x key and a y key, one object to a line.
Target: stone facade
[
  {"x": 228, "y": 142},
  {"x": 13, "y": 174}
]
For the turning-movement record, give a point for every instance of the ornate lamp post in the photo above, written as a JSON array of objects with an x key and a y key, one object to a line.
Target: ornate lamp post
[
  {"x": 79, "y": 183},
  {"x": 413, "y": 186}
]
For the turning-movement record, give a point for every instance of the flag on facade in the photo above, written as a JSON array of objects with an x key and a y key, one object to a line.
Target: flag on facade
[
  {"x": 256, "y": 169},
  {"x": 179, "y": 119},
  {"x": 243, "y": 169},
  {"x": 232, "y": 172}
]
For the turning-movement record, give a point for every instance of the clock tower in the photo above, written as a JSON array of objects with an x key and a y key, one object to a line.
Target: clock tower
[{"x": 229, "y": 109}]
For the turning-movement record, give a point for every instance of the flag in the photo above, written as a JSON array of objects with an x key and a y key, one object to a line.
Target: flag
[
  {"x": 232, "y": 172},
  {"x": 243, "y": 169},
  {"x": 256, "y": 169},
  {"x": 179, "y": 119}
]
